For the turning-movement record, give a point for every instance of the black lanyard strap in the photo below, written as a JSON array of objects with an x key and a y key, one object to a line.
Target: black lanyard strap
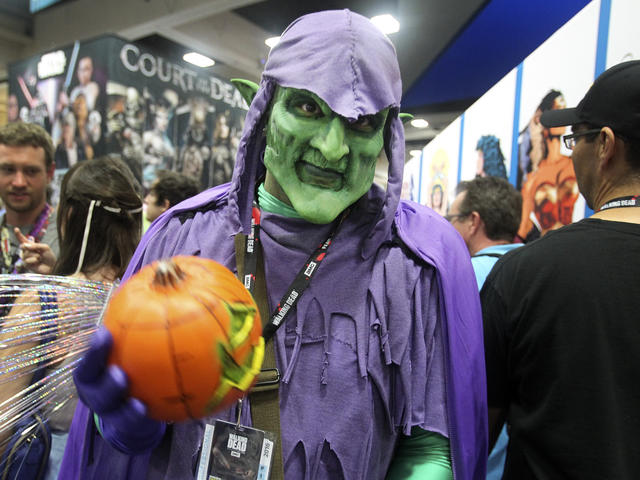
[
  {"x": 621, "y": 202},
  {"x": 493, "y": 255},
  {"x": 299, "y": 284}
]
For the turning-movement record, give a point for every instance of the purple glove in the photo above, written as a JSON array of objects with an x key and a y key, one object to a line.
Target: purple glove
[{"x": 123, "y": 421}]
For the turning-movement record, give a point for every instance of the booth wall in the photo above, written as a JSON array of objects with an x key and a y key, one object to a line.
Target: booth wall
[
  {"x": 600, "y": 35},
  {"x": 108, "y": 95}
]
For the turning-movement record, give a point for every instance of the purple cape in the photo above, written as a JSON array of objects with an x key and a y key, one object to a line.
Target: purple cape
[{"x": 376, "y": 291}]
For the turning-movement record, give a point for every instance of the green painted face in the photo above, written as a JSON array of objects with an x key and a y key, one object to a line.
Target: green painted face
[{"x": 320, "y": 162}]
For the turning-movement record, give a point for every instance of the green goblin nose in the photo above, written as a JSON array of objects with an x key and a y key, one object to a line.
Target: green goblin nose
[{"x": 330, "y": 141}]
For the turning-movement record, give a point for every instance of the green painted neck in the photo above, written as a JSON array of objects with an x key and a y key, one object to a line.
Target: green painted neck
[{"x": 271, "y": 204}]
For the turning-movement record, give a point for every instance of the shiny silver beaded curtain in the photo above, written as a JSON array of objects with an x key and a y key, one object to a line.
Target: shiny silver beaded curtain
[{"x": 45, "y": 325}]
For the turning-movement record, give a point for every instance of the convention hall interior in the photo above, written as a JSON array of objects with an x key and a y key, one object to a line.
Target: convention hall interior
[
  {"x": 319, "y": 239},
  {"x": 450, "y": 51}
]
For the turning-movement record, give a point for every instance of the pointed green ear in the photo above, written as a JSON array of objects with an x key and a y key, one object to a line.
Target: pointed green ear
[
  {"x": 247, "y": 88},
  {"x": 405, "y": 117}
]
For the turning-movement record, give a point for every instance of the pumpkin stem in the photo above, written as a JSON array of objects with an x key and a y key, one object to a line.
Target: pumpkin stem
[{"x": 168, "y": 274}]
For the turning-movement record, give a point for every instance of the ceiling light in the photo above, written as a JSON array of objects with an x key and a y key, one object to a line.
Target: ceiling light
[
  {"x": 415, "y": 153},
  {"x": 197, "y": 59},
  {"x": 419, "y": 123},
  {"x": 386, "y": 23},
  {"x": 272, "y": 41}
]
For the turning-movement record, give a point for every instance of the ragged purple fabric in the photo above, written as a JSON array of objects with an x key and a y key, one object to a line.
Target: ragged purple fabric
[
  {"x": 425, "y": 233},
  {"x": 387, "y": 337}
]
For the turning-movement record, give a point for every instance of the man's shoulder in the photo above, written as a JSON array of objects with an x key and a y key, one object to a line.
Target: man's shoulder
[
  {"x": 552, "y": 239},
  {"x": 538, "y": 256},
  {"x": 497, "y": 251}
]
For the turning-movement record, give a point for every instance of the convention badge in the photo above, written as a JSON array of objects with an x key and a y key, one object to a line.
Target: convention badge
[{"x": 234, "y": 452}]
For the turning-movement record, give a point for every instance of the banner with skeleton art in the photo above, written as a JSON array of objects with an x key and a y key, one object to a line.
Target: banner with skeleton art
[{"x": 108, "y": 95}]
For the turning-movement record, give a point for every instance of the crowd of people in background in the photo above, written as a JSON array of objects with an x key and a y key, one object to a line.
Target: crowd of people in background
[{"x": 559, "y": 311}]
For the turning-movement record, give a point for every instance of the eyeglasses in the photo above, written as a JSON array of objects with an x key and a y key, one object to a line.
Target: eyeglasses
[
  {"x": 451, "y": 216},
  {"x": 570, "y": 140}
]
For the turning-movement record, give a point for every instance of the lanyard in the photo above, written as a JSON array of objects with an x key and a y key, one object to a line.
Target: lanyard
[
  {"x": 299, "y": 284},
  {"x": 621, "y": 202},
  {"x": 37, "y": 232}
]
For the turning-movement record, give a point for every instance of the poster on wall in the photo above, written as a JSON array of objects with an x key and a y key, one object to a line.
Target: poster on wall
[
  {"x": 439, "y": 167},
  {"x": 64, "y": 92},
  {"x": 552, "y": 78},
  {"x": 411, "y": 179},
  {"x": 556, "y": 75},
  {"x": 624, "y": 40},
  {"x": 167, "y": 115},
  {"x": 111, "y": 96},
  {"x": 63, "y": 88},
  {"x": 488, "y": 132}
]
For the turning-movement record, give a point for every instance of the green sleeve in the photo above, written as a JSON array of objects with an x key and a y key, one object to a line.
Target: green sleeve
[
  {"x": 424, "y": 455},
  {"x": 96, "y": 420}
]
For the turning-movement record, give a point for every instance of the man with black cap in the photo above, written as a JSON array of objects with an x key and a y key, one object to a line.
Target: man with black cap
[{"x": 561, "y": 314}]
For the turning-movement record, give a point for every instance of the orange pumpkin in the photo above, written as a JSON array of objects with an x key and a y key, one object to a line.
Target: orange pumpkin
[{"x": 188, "y": 335}]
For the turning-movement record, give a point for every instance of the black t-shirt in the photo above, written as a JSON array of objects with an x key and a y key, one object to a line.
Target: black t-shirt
[{"x": 562, "y": 341}]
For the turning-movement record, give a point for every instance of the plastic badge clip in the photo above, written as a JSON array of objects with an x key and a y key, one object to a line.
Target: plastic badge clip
[{"x": 239, "y": 413}]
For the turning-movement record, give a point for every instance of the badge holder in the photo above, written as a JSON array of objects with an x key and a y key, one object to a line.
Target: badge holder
[{"x": 235, "y": 452}]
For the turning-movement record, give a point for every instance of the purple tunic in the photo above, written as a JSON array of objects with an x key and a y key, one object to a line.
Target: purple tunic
[{"x": 388, "y": 335}]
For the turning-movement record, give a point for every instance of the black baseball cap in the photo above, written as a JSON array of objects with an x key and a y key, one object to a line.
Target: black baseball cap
[{"x": 612, "y": 101}]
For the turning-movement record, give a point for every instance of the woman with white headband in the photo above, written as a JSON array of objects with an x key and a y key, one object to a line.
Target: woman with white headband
[{"x": 99, "y": 219}]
